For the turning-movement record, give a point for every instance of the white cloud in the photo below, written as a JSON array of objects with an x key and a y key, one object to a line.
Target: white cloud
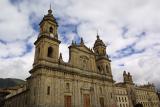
[
  {"x": 14, "y": 24},
  {"x": 12, "y": 49},
  {"x": 64, "y": 50},
  {"x": 17, "y": 67},
  {"x": 144, "y": 67}
]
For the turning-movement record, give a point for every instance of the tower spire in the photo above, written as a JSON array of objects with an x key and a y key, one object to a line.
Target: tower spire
[
  {"x": 50, "y": 6},
  {"x": 82, "y": 43},
  {"x": 97, "y": 34},
  {"x": 50, "y": 10}
]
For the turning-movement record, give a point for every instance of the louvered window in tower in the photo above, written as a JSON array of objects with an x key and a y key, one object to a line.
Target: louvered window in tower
[
  {"x": 50, "y": 52},
  {"x": 51, "y": 30},
  {"x": 107, "y": 68}
]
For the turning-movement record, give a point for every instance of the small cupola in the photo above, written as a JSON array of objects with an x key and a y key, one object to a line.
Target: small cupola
[
  {"x": 49, "y": 25},
  {"x": 99, "y": 47}
]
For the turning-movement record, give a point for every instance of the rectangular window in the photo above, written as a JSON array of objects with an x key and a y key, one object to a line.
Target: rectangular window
[
  {"x": 48, "y": 90},
  {"x": 101, "y": 99},
  {"x": 86, "y": 100},
  {"x": 67, "y": 101},
  {"x": 111, "y": 95},
  {"x": 34, "y": 91}
]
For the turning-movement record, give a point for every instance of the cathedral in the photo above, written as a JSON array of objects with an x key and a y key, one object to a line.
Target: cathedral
[{"x": 86, "y": 80}]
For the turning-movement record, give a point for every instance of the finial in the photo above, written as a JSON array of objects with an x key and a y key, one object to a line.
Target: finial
[
  {"x": 60, "y": 57},
  {"x": 72, "y": 42},
  {"x": 128, "y": 73},
  {"x": 97, "y": 31},
  {"x": 97, "y": 34},
  {"x": 50, "y": 6},
  {"x": 82, "y": 41},
  {"x": 124, "y": 73},
  {"x": 50, "y": 10}
]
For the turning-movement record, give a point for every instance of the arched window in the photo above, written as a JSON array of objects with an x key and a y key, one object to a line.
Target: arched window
[
  {"x": 126, "y": 105},
  {"x": 107, "y": 68},
  {"x": 104, "y": 51},
  {"x": 38, "y": 50},
  {"x": 111, "y": 95},
  {"x": 50, "y": 52},
  {"x": 48, "y": 90},
  {"x": 100, "y": 90},
  {"x": 123, "y": 105},
  {"x": 51, "y": 30},
  {"x": 125, "y": 99},
  {"x": 99, "y": 68},
  {"x": 120, "y": 105}
]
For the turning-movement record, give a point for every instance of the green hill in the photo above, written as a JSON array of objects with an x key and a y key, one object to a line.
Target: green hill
[{"x": 10, "y": 82}]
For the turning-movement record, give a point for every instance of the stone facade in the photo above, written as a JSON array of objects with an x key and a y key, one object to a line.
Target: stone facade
[
  {"x": 147, "y": 96},
  {"x": 84, "y": 81},
  {"x": 144, "y": 95},
  {"x": 121, "y": 96}
]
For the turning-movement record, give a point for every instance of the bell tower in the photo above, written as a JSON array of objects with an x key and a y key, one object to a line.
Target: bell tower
[
  {"x": 102, "y": 59},
  {"x": 49, "y": 25},
  {"x": 47, "y": 43},
  {"x": 99, "y": 47}
]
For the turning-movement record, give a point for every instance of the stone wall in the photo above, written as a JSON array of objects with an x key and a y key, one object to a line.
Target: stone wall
[
  {"x": 61, "y": 84},
  {"x": 122, "y": 97},
  {"x": 147, "y": 97},
  {"x": 18, "y": 100}
]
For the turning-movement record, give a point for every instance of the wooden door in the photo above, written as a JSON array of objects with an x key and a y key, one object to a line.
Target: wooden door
[
  {"x": 101, "y": 99},
  {"x": 86, "y": 100},
  {"x": 67, "y": 101}
]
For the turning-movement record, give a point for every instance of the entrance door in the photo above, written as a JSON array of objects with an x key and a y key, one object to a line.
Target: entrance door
[
  {"x": 101, "y": 99},
  {"x": 86, "y": 100},
  {"x": 67, "y": 101}
]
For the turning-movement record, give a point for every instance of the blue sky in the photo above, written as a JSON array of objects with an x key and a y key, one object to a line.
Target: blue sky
[{"x": 130, "y": 28}]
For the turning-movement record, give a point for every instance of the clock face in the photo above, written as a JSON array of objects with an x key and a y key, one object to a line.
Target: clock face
[{"x": 51, "y": 35}]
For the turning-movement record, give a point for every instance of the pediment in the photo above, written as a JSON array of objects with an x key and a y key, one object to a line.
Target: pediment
[{"x": 84, "y": 49}]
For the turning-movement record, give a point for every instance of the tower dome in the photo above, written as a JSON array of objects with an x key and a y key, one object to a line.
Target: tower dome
[
  {"x": 99, "y": 42},
  {"x": 99, "y": 47}
]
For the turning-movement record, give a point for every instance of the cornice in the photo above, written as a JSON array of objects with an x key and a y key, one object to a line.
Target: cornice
[
  {"x": 47, "y": 37},
  {"x": 74, "y": 71}
]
